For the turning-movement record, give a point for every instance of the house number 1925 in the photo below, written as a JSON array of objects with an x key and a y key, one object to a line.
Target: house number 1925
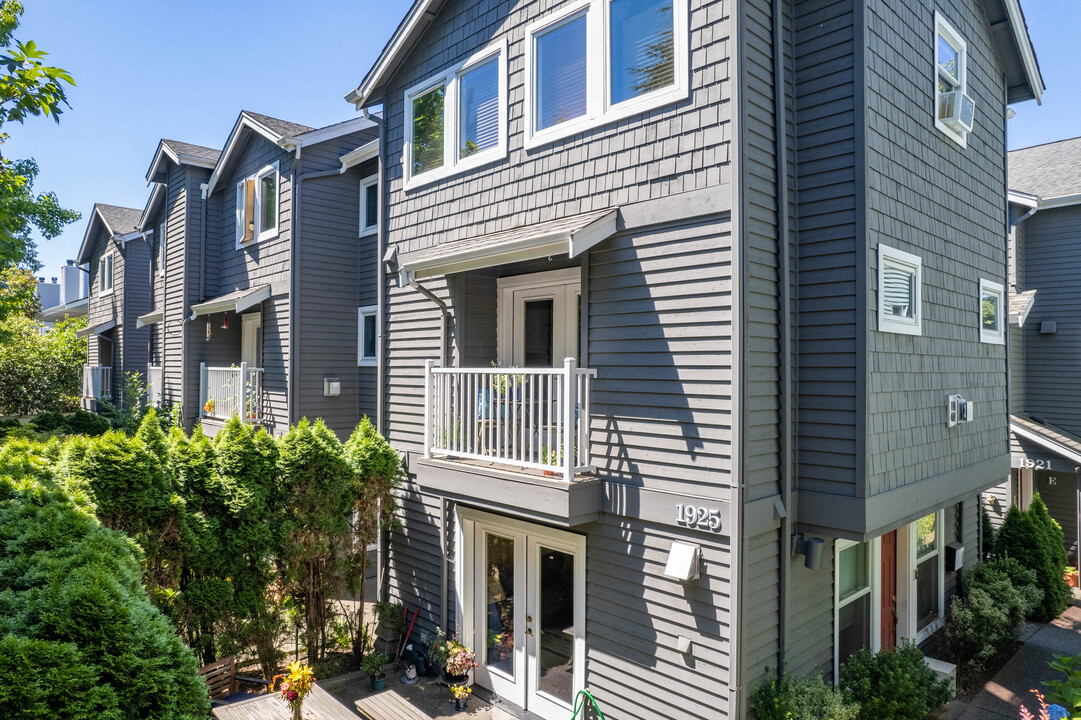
[{"x": 694, "y": 516}]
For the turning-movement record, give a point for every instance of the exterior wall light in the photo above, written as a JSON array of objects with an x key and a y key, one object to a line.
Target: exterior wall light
[{"x": 810, "y": 549}]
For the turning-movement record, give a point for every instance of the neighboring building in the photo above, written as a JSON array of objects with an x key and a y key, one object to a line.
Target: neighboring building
[
  {"x": 1045, "y": 337},
  {"x": 73, "y": 296},
  {"x": 705, "y": 391},
  {"x": 119, "y": 259},
  {"x": 261, "y": 264},
  {"x": 48, "y": 292}
]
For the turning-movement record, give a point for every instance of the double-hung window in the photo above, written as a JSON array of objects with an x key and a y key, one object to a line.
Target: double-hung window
[
  {"x": 954, "y": 111},
  {"x": 366, "y": 335},
  {"x": 899, "y": 294},
  {"x": 992, "y": 312},
  {"x": 105, "y": 274},
  {"x": 257, "y": 206},
  {"x": 602, "y": 60},
  {"x": 457, "y": 119},
  {"x": 855, "y": 601},
  {"x": 369, "y": 205}
]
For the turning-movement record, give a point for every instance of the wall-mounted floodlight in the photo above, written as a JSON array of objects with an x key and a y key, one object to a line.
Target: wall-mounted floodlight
[
  {"x": 810, "y": 548},
  {"x": 683, "y": 561}
]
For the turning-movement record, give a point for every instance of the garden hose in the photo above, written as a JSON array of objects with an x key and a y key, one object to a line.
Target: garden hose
[{"x": 577, "y": 707}]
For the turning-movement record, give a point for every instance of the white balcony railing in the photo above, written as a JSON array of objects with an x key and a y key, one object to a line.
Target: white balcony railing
[
  {"x": 228, "y": 391},
  {"x": 97, "y": 382},
  {"x": 153, "y": 384},
  {"x": 531, "y": 417}
]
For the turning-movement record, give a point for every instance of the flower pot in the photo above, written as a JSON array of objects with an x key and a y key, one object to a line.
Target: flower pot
[
  {"x": 461, "y": 704},
  {"x": 298, "y": 711},
  {"x": 1071, "y": 578},
  {"x": 449, "y": 679},
  {"x": 379, "y": 682}
]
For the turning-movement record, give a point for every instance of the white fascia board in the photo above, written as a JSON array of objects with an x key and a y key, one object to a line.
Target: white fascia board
[
  {"x": 1024, "y": 48},
  {"x": 1061, "y": 201},
  {"x": 399, "y": 42},
  {"x": 159, "y": 188},
  {"x": 151, "y": 318},
  {"x": 1045, "y": 442},
  {"x": 95, "y": 217},
  {"x": 333, "y": 131},
  {"x": 242, "y": 122},
  {"x": 163, "y": 149},
  {"x": 1021, "y": 198},
  {"x": 362, "y": 153}
]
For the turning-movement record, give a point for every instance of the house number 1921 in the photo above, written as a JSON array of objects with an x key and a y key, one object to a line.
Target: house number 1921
[{"x": 701, "y": 517}]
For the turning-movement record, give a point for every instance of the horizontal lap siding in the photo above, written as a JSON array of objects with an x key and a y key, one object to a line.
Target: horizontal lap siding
[
  {"x": 660, "y": 338},
  {"x": 946, "y": 204},
  {"x": 634, "y": 615},
  {"x": 1052, "y": 266},
  {"x": 416, "y": 559},
  {"x": 337, "y": 274},
  {"x": 825, "y": 125},
  {"x": 175, "y": 293},
  {"x": 138, "y": 300}
]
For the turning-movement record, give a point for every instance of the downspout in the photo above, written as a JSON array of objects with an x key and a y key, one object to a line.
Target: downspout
[
  {"x": 202, "y": 241},
  {"x": 738, "y": 205},
  {"x": 380, "y": 284},
  {"x": 780, "y": 123}
]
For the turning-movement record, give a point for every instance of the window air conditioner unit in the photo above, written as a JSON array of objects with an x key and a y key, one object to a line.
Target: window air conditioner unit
[{"x": 957, "y": 111}]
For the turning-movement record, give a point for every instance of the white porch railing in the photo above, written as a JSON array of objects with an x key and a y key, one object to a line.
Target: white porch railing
[
  {"x": 525, "y": 417},
  {"x": 97, "y": 382},
  {"x": 153, "y": 384},
  {"x": 228, "y": 391}
]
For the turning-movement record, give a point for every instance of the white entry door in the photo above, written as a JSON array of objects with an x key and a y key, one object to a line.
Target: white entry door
[
  {"x": 524, "y": 600},
  {"x": 251, "y": 339},
  {"x": 540, "y": 318}
]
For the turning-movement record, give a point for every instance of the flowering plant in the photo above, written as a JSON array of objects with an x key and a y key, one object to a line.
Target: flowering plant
[
  {"x": 460, "y": 691},
  {"x": 460, "y": 659},
  {"x": 1047, "y": 712},
  {"x": 296, "y": 683},
  {"x": 208, "y": 406}
]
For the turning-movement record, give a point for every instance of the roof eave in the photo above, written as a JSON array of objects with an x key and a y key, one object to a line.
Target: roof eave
[
  {"x": 1025, "y": 49},
  {"x": 244, "y": 122}
]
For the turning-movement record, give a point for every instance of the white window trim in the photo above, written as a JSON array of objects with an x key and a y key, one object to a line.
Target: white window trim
[
  {"x": 362, "y": 312},
  {"x": 992, "y": 336},
  {"x": 260, "y": 233},
  {"x": 452, "y": 164},
  {"x": 161, "y": 250},
  {"x": 368, "y": 226},
  {"x": 905, "y": 261},
  {"x": 599, "y": 107},
  {"x": 944, "y": 29},
  {"x": 105, "y": 280},
  {"x": 875, "y": 590},
  {"x": 906, "y": 581}
]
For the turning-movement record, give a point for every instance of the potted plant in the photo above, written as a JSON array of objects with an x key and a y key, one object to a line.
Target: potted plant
[
  {"x": 373, "y": 666},
  {"x": 460, "y": 660},
  {"x": 437, "y": 653},
  {"x": 461, "y": 696},
  {"x": 1070, "y": 575},
  {"x": 208, "y": 407},
  {"x": 296, "y": 684}
]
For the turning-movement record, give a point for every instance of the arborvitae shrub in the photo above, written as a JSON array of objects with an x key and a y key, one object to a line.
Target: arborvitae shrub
[
  {"x": 1021, "y": 537},
  {"x": 987, "y": 534}
]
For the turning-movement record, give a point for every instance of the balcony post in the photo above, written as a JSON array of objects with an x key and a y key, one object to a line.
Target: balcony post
[
  {"x": 242, "y": 393},
  {"x": 570, "y": 403},
  {"x": 428, "y": 365},
  {"x": 202, "y": 388}
]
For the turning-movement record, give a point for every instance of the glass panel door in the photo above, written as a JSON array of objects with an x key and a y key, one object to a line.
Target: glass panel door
[
  {"x": 499, "y": 581},
  {"x": 555, "y": 624},
  {"x": 499, "y": 598}
]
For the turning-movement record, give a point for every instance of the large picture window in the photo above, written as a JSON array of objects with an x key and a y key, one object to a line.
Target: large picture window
[
  {"x": 602, "y": 60},
  {"x": 457, "y": 119}
]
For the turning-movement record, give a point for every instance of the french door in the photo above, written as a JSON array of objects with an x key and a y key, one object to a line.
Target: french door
[
  {"x": 524, "y": 608},
  {"x": 540, "y": 318}
]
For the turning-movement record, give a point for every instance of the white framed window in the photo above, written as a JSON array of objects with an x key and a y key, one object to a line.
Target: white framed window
[
  {"x": 257, "y": 206},
  {"x": 856, "y": 598},
  {"x": 922, "y": 608},
  {"x": 992, "y": 312},
  {"x": 367, "y": 335},
  {"x": 161, "y": 250},
  {"x": 603, "y": 60},
  {"x": 105, "y": 274},
  {"x": 458, "y": 119},
  {"x": 899, "y": 293},
  {"x": 369, "y": 205},
  {"x": 951, "y": 82}
]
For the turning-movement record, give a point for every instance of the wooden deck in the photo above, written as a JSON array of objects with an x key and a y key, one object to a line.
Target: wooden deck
[
  {"x": 319, "y": 705},
  {"x": 388, "y": 705}
]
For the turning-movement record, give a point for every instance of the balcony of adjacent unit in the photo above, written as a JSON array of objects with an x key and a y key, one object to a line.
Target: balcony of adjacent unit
[
  {"x": 507, "y": 415},
  {"x": 97, "y": 385},
  {"x": 226, "y": 340},
  {"x": 98, "y": 375}
]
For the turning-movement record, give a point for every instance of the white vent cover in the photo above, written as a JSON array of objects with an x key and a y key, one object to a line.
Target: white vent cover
[{"x": 683, "y": 561}]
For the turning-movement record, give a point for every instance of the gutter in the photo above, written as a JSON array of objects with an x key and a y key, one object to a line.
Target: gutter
[{"x": 202, "y": 241}]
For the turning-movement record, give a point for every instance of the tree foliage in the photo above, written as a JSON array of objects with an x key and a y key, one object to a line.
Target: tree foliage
[
  {"x": 1027, "y": 537},
  {"x": 80, "y": 636},
  {"x": 40, "y": 370},
  {"x": 28, "y": 87}
]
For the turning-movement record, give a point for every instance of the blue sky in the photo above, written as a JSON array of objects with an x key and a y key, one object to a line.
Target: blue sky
[{"x": 149, "y": 69}]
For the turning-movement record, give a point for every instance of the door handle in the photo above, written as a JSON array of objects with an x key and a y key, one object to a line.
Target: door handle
[
  {"x": 529, "y": 631},
  {"x": 529, "y": 618}
]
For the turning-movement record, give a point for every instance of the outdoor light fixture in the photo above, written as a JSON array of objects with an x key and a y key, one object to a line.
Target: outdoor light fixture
[
  {"x": 810, "y": 548},
  {"x": 224, "y": 321},
  {"x": 683, "y": 561},
  {"x": 208, "y": 329}
]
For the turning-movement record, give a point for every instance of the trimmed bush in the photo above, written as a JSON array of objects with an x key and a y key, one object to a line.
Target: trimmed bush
[
  {"x": 1024, "y": 538},
  {"x": 987, "y": 534},
  {"x": 982, "y": 624},
  {"x": 986, "y": 575},
  {"x": 894, "y": 685},
  {"x": 801, "y": 698}
]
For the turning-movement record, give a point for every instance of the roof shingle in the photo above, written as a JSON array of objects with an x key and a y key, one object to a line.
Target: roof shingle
[{"x": 1048, "y": 171}]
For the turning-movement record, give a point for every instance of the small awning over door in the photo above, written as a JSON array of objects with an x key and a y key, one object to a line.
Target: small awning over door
[
  {"x": 1049, "y": 437},
  {"x": 236, "y": 301},
  {"x": 96, "y": 329},
  {"x": 151, "y": 318},
  {"x": 1020, "y": 305},
  {"x": 569, "y": 236}
]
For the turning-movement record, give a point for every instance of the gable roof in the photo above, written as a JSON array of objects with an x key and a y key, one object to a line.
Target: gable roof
[
  {"x": 1051, "y": 171},
  {"x": 1050, "y": 437},
  {"x": 181, "y": 153},
  {"x": 157, "y": 197},
  {"x": 117, "y": 221},
  {"x": 1023, "y": 78},
  {"x": 285, "y": 134}
]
